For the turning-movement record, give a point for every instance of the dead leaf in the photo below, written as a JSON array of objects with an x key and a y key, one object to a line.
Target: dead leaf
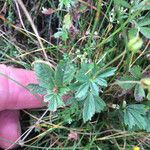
[{"x": 48, "y": 11}]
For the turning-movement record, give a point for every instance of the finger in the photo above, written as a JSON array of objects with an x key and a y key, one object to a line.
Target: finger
[
  {"x": 10, "y": 129},
  {"x": 12, "y": 95}
]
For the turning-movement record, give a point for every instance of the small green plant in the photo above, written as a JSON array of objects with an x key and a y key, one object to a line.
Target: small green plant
[
  {"x": 90, "y": 83},
  {"x": 83, "y": 84},
  {"x": 63, "y": 32},
  {"x": 136, "y": 115}
]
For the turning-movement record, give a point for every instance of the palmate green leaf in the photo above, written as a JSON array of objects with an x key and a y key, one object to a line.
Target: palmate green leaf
[
  {"x": 126, "y": 82},
  {"x": 139, "y": 92},
  {"x": 54, "y": 101},
  {"x": 44, "y": 74},
  {"x": 88, "y": 91},
  {"x": 145, "y": 31},
  {"x": 36, "y": 89},
  {"x": 134, "y": 116},
  {"x": 64, "y": 73},
  {"x": 107, "y": 73},
  {"x": 82, "y": 91},
  {"x": 136, "y": 72},
  {"x": 92, "y": 105}
]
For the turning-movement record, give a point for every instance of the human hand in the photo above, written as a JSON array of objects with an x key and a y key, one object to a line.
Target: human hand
[{"x": 14, "y": 97}]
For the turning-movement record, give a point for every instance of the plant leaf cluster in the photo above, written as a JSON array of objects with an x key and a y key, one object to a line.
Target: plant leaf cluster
[
  {"x": 52, "y": 83},
  {"x": 90, "y": 83},
  {"x": 85, "y": 83}
]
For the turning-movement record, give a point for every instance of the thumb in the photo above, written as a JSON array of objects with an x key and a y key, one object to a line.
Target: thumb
[
  {"x": 14, "y": 96},
  {"x": 9, "y": 128}
]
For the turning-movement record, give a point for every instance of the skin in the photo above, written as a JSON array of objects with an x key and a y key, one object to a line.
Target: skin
[{"x": 14, "y": 97}]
